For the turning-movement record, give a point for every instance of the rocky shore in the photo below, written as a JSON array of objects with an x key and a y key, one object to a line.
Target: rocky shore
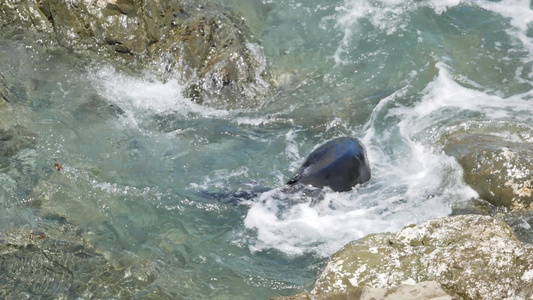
[
  {"x": 482, "y": 252},
  {"x": 205, "y": 45},
  {"x": 468, "y": 256}
]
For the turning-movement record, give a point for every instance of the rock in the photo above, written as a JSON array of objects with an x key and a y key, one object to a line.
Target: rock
[
  {"x": 429, "y": 290},
  {"x": 228, "y": 66},
  {"x": 498, "y": 169},
  {"x": 470, "y": 256},
  {"x": 17, "y": 142},
  {"x": 419, "y": 291},
  {"x": 520, "y": 221},
  {"x": 57, "y": 261},
  {"x": 5, "y": 93},
  {"x": 14, "y": 139},
  {"x": 70, "y": 195},
  {"x": 204, "y": 44}
]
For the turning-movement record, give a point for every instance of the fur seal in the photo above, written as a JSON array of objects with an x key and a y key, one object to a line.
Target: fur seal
[{"x": 339, "y": 164}]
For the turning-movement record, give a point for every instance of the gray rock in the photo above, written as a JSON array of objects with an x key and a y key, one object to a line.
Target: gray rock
[
  {"x": 470, "y": 256},
  {"x": 14, "y": 139},
  {"x": 59, "y": 261},
  {"x": 204, "y": 44},
  {"x": 5, "y": 93},
  {"x": 499, "y": 170},
  {"x": 429, "y": 290},
  {"x": 419, "y": 291}
]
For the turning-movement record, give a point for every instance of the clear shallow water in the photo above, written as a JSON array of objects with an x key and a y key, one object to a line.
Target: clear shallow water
[{"x": 140, "y": 163}]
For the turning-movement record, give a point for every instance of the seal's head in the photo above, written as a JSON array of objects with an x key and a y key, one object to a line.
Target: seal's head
[{"x": 339, "y": 164}]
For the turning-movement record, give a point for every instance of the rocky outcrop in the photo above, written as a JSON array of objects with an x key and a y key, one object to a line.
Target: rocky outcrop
[
  {"x": 204, "y": 44},
  {"x": 498, "y": 168},
  {"x": 470, "y": 256}
]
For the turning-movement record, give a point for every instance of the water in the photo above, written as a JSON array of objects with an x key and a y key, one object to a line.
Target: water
[{"x": 140, "y": 163}]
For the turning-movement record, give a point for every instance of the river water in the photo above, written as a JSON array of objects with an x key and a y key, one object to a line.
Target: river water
[{"x": 157, "y": 173}]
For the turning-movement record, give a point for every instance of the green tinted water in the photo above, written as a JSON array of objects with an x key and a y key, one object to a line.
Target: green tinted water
[{"x": 140, "y": 163}]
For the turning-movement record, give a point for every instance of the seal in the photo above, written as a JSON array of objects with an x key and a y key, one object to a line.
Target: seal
[{"x": 339, "y": 164}]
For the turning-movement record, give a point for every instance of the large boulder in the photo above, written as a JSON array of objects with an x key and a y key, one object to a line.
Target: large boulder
[
  {"x": 499, "y": 169},
  {"x": 204, "y": 44},
  {"x": 470, "y": 256}
]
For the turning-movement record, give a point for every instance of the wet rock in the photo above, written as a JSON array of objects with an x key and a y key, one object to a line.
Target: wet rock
[
  {"x": 17, "y": 153},
  {"x": 474, "y": 207},
  {"x": 57, "y": 261},
  {"x": 69, "y": 195},
  {"x": 5, "y": 93},
  {"x": 204, "y": 44},
  {"x": 17, "y": 142},
  {"x": 498, "y": 169},
  {"x": 230, "y": 68},
  {"x": 520, "y": 221},
  {"x": 14, "y": 139},
  {"x": 470, "y": 256}
]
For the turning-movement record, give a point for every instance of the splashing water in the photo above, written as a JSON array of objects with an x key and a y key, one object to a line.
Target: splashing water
[{"x": 153, "y": 175}]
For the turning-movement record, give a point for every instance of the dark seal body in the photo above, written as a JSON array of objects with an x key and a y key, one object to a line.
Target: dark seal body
[{"x": 339, "y": 164}]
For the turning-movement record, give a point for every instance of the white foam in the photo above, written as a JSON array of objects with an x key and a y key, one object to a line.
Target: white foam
[
  {"x": 301, "y": 228},
  {"x": 385, "y": 14},
  {"x": 222, "y": 178},
  {"x": 445, "y": 92},
  {"x": 403, "y": 190},
  {"x": 412, "y": 180},
  {"x": 292, "y": 149},
  {"x": 391, "y": 15},
  {"x": 397, "y": 195},
  {"x": 145, "y": 96},
  {"x": 518, "y": 11}
]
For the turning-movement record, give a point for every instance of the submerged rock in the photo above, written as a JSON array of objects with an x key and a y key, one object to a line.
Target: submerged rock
[
  {"x": 470, "y": 256},
  {"x": 14, "y": 139},
  {"x": 58, "y": 261},
  {"x": 204, "y": 44},
  {"x": 498, "y": 169},
  {"x": 5, "y": 93},
  {"x": 17, "y": 143}
]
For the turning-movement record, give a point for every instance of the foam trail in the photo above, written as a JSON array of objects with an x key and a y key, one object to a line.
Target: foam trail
[
  {"x": 445, "y": 92},
  {"x": 146, "y": 96}
]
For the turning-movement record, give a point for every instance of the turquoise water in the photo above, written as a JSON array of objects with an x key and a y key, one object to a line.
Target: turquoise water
[{"x": 147, "y": 173}]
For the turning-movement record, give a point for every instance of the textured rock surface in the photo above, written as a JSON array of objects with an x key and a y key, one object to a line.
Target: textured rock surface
[
  {"x": 429, "y": 290},
  {"x": 471, "y": 257},
  {"x": 14, "y": 139},
  {"x": 5, "y": 94},
  {"x": 58, "y": 262},
  {"x": 498, "y": 168},
  {"x": 204, "y": 44}
]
